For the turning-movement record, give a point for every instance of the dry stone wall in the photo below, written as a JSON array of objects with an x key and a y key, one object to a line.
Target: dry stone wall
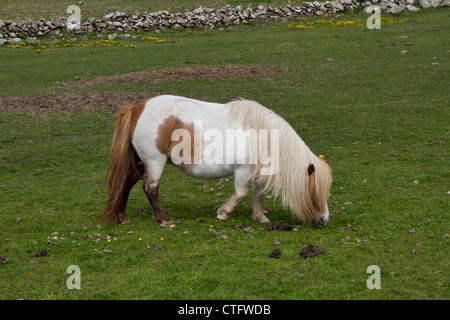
[{"x": 13, "y": 32}]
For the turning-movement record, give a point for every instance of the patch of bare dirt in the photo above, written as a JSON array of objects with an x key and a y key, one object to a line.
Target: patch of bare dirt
[
  {"x": 170, "y": 74},
  {"x": 67, "y": 102}
]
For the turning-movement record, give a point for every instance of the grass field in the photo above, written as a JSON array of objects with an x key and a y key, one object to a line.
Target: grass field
[{"x": 374, "y": 100}]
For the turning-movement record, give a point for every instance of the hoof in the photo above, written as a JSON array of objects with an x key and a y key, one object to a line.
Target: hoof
[
  {"x": 167, "y": 224},
  {"x": 222, "y": 216},
  {"x": 123, "y": 219},
  {"x": 262, "y": 219}
]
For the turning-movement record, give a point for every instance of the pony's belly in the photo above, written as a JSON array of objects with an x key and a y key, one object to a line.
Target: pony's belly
[{"x": 208, "y": 171}]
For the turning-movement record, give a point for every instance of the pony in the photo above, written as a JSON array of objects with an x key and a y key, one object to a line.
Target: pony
[{"x": 189, "y": 134}]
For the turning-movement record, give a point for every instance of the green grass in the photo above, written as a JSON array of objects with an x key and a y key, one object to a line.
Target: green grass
[{"x": 349, "y": 92}]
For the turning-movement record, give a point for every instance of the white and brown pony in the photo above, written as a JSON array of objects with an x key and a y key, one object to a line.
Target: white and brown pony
[{"x": 187, "y": 132}]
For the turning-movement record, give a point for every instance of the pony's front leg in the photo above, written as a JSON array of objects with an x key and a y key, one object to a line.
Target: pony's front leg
[
  {"x": 258, "y": 209},
  {"x": 241, "y": 181}
]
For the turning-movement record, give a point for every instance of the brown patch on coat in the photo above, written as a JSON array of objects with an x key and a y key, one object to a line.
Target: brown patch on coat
[
  {"x": 163, "y": 140},
  {"x": 165, "y": 144}
]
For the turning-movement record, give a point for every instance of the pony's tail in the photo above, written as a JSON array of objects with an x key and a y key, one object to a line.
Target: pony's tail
[{"x": 124, "y": 170}]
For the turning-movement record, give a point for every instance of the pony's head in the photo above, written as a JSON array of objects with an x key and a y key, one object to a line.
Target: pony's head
[
  {"x": 319, "y": 185},
  {"x": 303, "y": 180}
]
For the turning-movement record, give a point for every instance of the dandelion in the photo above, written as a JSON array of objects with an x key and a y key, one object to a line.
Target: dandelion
[
  {"x": 140, "y": 239},
  {"x": 161, "y": 238},
  {"x": 321, "y": 156}
]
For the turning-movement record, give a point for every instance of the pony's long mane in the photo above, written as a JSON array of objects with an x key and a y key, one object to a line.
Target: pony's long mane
[{"x": 303, "y": 180}]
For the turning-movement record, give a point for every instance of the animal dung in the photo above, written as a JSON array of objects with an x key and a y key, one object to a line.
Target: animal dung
[
  {"x": 278, "y": 226},
  {"x": 276, "y": 253},
  {"x": 41, "y": 253},
  {"x": 311, "y": 251}
]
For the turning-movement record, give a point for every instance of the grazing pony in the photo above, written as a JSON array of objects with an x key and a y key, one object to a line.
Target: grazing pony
[{"x": 190, "y": 135}]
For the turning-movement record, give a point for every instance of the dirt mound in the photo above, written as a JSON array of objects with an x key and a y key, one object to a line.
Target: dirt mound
[
  {"x": 228, "y": 72},
  {"x": 65, "y": 102},
  {"x": 62, "y": 102}
]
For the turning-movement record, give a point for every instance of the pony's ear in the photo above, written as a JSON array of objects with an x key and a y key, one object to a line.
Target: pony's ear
[
  {"x": 328, "y": 160},
  {"x": 311, "y": 169}
]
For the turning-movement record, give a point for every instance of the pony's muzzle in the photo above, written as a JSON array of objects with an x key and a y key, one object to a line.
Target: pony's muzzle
[{"x": 321, "y": 222}]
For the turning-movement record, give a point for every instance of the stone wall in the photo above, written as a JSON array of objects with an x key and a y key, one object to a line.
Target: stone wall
[{"x": 11, "y": 31}]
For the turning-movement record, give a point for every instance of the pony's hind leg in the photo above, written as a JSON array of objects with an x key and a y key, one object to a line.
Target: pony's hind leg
[
  {"x": 151, "y": 186},
  {"x": 119, "y": 190},
  {"x": 258, "y": 209},
  {"x": 240, "y": 193}
]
